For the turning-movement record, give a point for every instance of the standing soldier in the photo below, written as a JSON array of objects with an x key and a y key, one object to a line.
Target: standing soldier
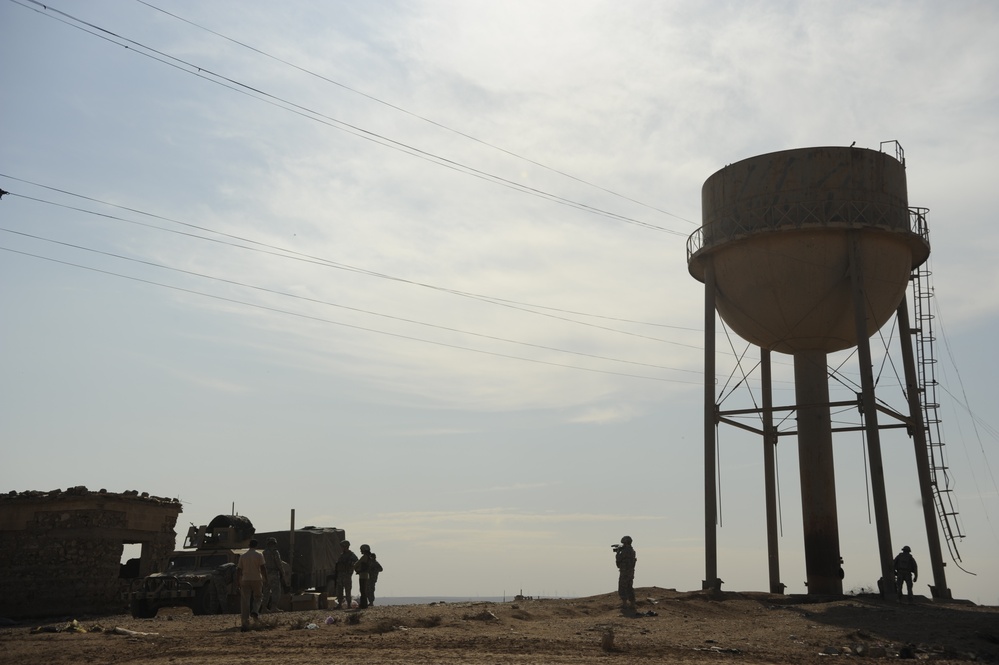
[
  {"x": 343, "y": 570},
  {"x": 906, "y": 571},
  {"x": 362, "y": 568},
  {"x": 625, "y": 559},
  {"x": 373, "y": 569},
  {"x": 272, "y": 590}
]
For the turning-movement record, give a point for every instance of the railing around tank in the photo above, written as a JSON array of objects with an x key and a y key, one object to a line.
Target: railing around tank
[
  {"x": 899, "y": 152},
  {"x": 849, "y": 214},
  {"x": 917, "y": 223}
]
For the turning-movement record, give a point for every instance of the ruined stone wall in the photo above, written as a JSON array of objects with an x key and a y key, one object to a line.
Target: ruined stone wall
[{"x": 60, "y": 552}]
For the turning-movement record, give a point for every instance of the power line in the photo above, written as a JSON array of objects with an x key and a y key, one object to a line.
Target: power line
[
  {"x": 308, "y": 258},
  {"x": 338, "y": 323},
  {"x": 410, "y": 113},
  {"x": 279, "y": 102},
  {"x": 333, "y": 304}
]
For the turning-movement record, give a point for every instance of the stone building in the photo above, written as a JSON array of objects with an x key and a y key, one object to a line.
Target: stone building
[{"x": 60, "y": 551}]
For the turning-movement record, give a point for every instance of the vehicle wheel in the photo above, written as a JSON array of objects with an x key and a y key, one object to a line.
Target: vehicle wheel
[
  {"x": 142, "y": 609},
  {"x": 202, "y": 602}
]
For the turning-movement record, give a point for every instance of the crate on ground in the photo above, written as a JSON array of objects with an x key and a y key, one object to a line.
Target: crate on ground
[{"x": 305, "y": 601}]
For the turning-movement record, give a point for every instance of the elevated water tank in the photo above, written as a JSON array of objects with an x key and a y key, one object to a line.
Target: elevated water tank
[{"x": 777, "y": 229}]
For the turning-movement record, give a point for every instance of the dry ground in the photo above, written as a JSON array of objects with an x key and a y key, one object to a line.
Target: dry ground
[{"x": 681, "y": 627}]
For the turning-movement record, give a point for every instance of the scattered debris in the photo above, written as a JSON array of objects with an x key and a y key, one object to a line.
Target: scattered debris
[
  {"x": 484, "y": 615},
  {"x": 73, "y": 626},
  {"x": 118, "y": 630},
  {"x": 717, "y": 649},
  {"x": 299, "y": 624}
]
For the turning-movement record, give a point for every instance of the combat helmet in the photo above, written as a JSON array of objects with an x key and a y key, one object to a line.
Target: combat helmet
[
  {"x": 365, "y": 548},
  {"x": 906, "y": 549},
  {"x": 626, "y": 540},
  {"x": 345, "y": 543},
  {"x": 272, "y": 541}
]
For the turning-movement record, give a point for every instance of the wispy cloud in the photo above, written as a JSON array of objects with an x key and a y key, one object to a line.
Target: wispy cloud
[{"x": 612, "y": 413}]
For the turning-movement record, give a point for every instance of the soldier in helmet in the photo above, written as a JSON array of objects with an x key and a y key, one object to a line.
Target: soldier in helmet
[
  {"x": 363, "y": 569},
  {"x": 906, "y": 571},
  {"x": 274, "y": 565},
  {"x": 625, "y": 559},
  {"x": 373, "y": 569},
  {"x": 343, "y": 571}
]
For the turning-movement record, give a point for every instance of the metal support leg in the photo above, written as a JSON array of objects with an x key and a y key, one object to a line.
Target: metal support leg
[
  {"x": 880, "y": 497},
  {"x": 711, "y": 580}
]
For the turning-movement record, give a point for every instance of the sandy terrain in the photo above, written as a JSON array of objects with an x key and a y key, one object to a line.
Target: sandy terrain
[{"x": 685, "y": 627}]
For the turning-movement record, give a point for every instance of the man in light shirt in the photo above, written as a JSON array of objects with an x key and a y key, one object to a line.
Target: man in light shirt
[{"x": 250, "y": 576}]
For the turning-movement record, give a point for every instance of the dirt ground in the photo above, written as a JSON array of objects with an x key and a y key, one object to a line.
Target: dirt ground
[{"x": 669, "y": 626}]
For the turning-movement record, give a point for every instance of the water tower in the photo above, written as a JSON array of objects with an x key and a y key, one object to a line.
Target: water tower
[{"x": 806, "y": 252}]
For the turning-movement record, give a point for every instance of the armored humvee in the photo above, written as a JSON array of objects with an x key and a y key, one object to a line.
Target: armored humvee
[{"x": 186, "y": 580}]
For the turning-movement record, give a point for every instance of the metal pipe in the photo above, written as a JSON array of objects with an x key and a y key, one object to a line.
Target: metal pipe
[
  {"x": 770, "y": 472},
  {"x": 820, "y": 524},
  {"x": 291, "y": 550},
  {"x": 869, "y": 406},
  {"x": 711, "y": 579}
]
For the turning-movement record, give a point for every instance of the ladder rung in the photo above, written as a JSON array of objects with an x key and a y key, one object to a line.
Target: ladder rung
[{"x": 926, "y": 361}]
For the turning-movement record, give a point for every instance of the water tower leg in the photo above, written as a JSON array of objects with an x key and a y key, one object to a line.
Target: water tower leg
[
  {"x": 711, "y": 580},
  {"x": 939, "y": 588},
  {"x": 872, "y": 431},
  {"x": 770, "y": 472},
  {"x": 818, "y": 478}
]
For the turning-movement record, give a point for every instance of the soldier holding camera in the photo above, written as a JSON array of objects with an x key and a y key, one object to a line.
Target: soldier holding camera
[{"x": 624, "y": 557}]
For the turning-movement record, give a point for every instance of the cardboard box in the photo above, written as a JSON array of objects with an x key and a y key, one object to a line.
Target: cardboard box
[{"x": 305, "y": 601}]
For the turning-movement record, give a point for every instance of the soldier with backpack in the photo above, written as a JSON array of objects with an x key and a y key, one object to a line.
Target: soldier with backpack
[{"x": 906, "y": 571}]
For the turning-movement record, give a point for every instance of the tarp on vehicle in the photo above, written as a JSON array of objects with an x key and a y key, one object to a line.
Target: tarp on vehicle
[
  {"x": 242, "y": 525},
  {"x": 316, "y": 552}
]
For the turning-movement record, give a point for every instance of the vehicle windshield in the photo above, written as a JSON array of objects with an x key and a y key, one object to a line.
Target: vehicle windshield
[
  {"x": 183, "y": 563},
  {"x": 214, "y": 560}
]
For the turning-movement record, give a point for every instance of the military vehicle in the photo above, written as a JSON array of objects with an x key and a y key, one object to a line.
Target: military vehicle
[{"x": 186, "y": 580}]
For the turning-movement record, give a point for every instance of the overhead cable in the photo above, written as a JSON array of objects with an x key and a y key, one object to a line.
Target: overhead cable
[
  {"x": 396, "y": 107},
  {"x": 360, "y": 132},
  {"x": 337, "y": 323},
  {"x": 308, "y": 258},
  {"x": 333, "y": 304}
]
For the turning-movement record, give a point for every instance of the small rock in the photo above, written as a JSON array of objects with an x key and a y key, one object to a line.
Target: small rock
[{"x": 607, "y": 641}]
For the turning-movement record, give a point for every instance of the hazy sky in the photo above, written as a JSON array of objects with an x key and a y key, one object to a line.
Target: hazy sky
[{"x": 417, "y": 270}]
